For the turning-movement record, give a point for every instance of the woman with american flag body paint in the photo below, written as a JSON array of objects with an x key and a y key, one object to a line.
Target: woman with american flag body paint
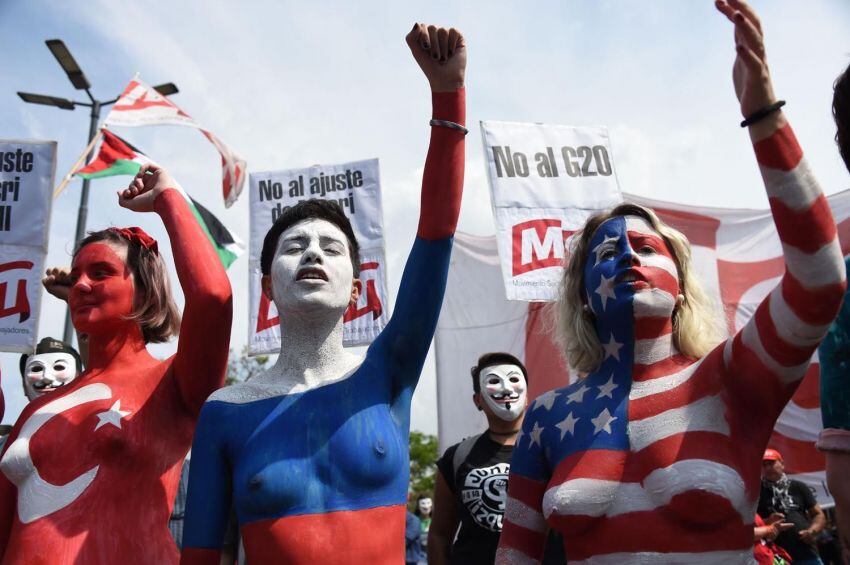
[
  {"x": 654, "y": 456},
  {"x": 313, "y": 454}
]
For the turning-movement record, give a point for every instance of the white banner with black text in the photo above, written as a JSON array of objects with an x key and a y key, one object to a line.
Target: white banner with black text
[
  {"x": 545, "y": 181},
  {"x": 27, "y": 170}
]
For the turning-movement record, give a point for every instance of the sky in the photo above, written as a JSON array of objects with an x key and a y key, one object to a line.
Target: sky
[{"x": 291, "y": 84}]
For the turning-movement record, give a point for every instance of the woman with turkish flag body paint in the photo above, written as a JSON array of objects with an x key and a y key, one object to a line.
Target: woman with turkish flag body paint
[
  {"x": 313, "y": 453},
  {"x": 90, "y": 471},
  {"x": 654, "y": 456}
]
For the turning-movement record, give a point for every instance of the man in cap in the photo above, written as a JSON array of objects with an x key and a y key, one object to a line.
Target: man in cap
[
  {"x": 796, "y": 502},
  {"x": 54, "y": 364}
]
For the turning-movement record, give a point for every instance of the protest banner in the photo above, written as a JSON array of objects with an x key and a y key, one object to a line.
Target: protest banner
[
  {"x": 356, "y": 187},
  {"x": 737, "y": 256},
  {"x": 27, "y": 169},
  {"x": 545, "y": 181}
]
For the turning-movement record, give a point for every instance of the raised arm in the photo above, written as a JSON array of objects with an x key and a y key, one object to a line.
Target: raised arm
[
  {"x": 201, "y": 360},
  {"x": 524, "y": 527},
  {"x": 770, "y": 355},
  {"x": 209, "y": 498},
  {"x": 57, "y": 281},
  {"x": 441, "y": 54}
]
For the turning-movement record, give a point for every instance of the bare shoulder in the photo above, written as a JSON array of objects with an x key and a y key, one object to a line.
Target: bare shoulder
[{"x": 242, "y": 393}]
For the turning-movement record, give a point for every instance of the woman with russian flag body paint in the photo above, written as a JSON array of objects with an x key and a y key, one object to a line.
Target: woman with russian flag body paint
[
  {"x": 654, "y": 456},
  {"x": 313, "y": 454},
  {"x": 90, "y": 471}
]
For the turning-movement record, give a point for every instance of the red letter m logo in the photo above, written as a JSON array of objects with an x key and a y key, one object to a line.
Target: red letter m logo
[{"x": 537, "y": 244}]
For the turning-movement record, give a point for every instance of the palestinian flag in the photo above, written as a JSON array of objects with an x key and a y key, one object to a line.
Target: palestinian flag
[{"x": 117, "y": 157}]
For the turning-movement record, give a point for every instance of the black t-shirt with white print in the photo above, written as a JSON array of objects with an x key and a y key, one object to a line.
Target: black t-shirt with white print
[
  {"x": 795, "y": 504},
  {"x": 480, "y": 488}
]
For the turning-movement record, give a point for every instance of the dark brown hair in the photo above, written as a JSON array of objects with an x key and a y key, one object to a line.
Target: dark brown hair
[
  {"x": 495, "y": 358},
  {"x": 154, "y": 308},
  {"x": 841, "y": 113},
  {"x": 328, "y": 210}
]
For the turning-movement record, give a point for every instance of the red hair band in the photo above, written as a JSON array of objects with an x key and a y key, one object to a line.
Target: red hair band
[{"x": 137, "y": 235}]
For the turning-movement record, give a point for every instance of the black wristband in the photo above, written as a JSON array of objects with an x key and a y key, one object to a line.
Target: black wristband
[{"x": 762, "y": 114}]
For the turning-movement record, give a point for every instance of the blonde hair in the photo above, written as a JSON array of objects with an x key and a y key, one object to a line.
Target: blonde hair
[{"x": 697, "y": 326}]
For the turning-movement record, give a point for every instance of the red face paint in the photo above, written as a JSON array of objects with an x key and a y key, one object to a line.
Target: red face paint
[
  {"x": 654, "y": 264},
  {"x": 103, "y": 292}
]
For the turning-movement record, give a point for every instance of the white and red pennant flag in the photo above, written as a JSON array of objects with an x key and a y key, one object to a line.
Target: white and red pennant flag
[
  {"x": 117, "y": 157},
  {"x": 141, "y": 105},
  {"x": 738, "y": 256}
]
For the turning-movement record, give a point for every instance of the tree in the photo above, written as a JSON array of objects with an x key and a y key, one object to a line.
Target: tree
[
  {"x": 423, "y": 463},
  {"x": 242, "y": 367}
]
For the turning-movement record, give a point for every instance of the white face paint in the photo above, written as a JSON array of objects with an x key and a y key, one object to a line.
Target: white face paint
[
  {"x": 46, "y": 372},
  {"x": 425, "y": 506},
  {"x": 504, "y": 390},
  {"x": 312, "y": 268}
]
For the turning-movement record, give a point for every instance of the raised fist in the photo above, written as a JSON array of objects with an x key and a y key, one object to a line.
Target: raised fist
[
  {"x": 148, "y": 183},
  {"x": 441, "y": 54},
  {"x": 57, "y": 281}
]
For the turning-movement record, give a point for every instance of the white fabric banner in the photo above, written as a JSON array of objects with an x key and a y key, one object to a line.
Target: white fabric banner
[
  {"x": 357, "y": 188},
  {"x": 141, "y": 105},
  {"x": 545, "y": 181},
  {"x": 735, "y": 250},
  {"x": 27, "y": 170}
]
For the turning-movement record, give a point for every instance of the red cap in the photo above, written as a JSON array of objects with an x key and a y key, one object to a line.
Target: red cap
[{"x": 771, "y": 455}]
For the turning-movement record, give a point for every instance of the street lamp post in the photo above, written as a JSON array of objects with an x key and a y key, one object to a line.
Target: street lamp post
[{"x": 80, "y": 82}]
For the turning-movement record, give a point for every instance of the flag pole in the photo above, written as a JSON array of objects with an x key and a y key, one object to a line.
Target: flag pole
[{"x": 77, "y": 164}]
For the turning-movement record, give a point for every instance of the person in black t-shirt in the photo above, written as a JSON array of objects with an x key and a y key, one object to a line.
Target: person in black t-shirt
[
  {"x": 472, "y": 479},
  {"x": 796, "y": 502}
]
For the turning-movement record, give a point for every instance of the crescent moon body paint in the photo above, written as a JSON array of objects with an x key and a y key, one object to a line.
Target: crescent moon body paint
[
  {"x": 91, "y": 469},
  {"x": 505, "y": 391},
  {"x": 36, "y": 497}
]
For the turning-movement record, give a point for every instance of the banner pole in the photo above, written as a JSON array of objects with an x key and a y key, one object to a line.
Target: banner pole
[{"x": 77, "y": 164}]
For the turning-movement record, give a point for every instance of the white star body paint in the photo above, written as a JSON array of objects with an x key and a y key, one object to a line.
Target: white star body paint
[
  {"x": 578, "y": 395},
  {"x": 36, "y": 496},
  {"x": 607, "y": 389},
  {"x": 568, "y": 425},
  {"x": 112, "y": 416},
  {"x": 504, "y": 390},
  {"x": 603, "y": 421}
]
